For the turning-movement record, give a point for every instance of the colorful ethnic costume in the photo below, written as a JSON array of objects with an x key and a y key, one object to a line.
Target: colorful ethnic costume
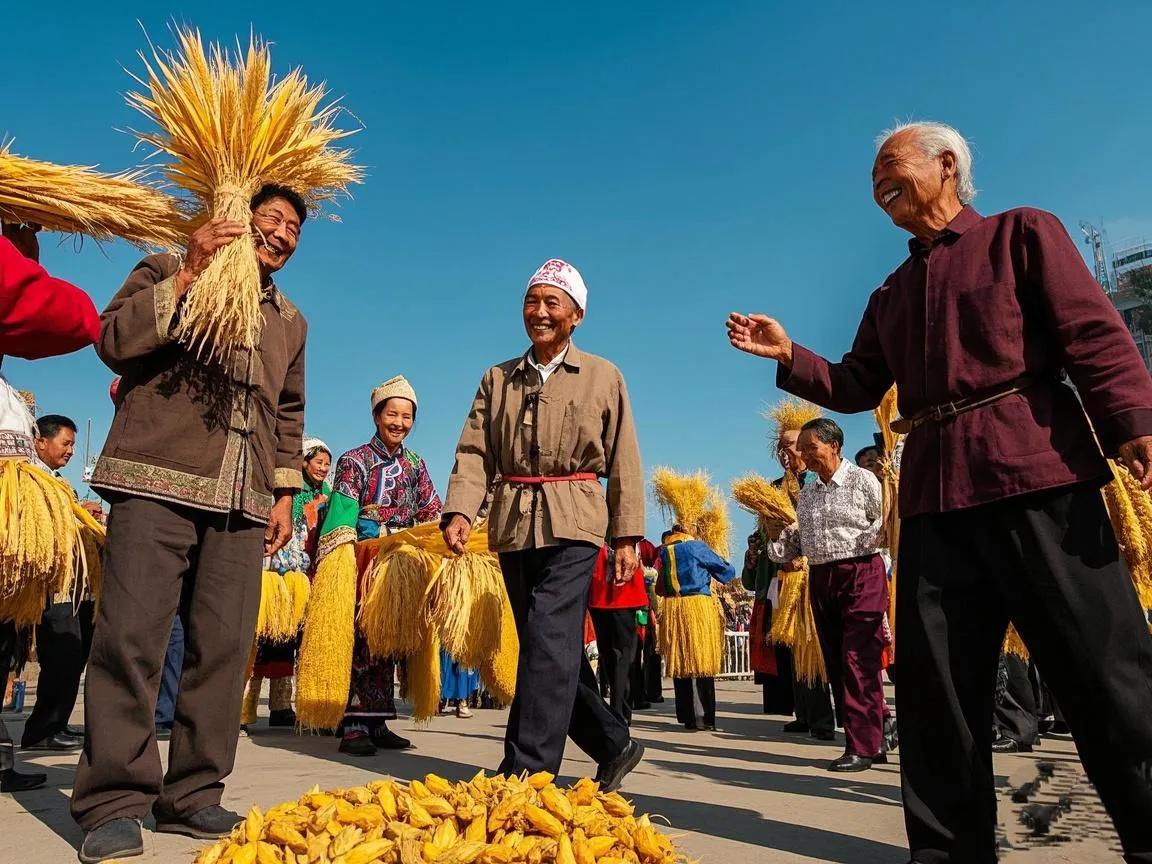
[
  {"x": 375, "y": 492},
  {"x": 276, "y": 658},
  {"x": 691, "y": 623}
]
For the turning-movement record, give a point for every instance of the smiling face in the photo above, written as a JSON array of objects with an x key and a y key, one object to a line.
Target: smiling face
[
  {"x": 276, "y": 231},
  {"x": 394, "y": 419},
  {"x": 57, "y": 451},
  {"x": 789, "y": 453},
  {"x": 550, "y": 316},
  {"x": 317, "y": 467},
  {"x": 819, "y": 456},
  {"x": 912, "y": 188}
]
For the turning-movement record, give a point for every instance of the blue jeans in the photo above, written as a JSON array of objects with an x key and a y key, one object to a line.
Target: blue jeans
[{"x": 170, "y": 681}]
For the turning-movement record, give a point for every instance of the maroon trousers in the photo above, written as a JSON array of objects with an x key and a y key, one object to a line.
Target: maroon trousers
[{"x": 849, "y": 599}]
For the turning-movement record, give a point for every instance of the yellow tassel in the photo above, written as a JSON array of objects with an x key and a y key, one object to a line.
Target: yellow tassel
[
  {"x": 498, "y": 670},
  {"x": 392, "y": 616},
  {"x": 424, "y": 680},
  {"x": 786, "y": 614},
  {"x": 692, "y": 636},
  {"x": 277, "y": 621},
  {"x": 486, "y": 618},
  {"x": 324, "y": 667},
  {"x": 807, "y": 657},
  {"x": 300, "y": 589}
]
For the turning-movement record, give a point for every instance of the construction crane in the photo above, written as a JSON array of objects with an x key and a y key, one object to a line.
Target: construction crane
[{"x": 1095, "y": 239}]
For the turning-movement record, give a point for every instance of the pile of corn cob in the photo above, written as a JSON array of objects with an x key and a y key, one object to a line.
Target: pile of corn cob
[{"x": 487, "y": 820}]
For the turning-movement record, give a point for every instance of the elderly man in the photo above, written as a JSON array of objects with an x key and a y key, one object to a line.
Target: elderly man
[
  {"x": 1003, "y": 517},
  {"x": 839, "y": 517},
  {"x": 200, "y": 466},
  {"x": 544, "y": 427}
]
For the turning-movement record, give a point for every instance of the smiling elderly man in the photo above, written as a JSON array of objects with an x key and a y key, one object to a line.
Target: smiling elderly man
[
  {"x": 200, "y": 466},
  {"x": 1000, "y": 488},
  {"x": 543, "y": 429}
]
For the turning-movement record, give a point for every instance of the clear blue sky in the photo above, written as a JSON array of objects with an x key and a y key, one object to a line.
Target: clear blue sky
[{"x": 690, "y": 158}]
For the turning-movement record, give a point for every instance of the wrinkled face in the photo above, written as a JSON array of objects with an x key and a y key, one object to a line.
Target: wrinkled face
[
  {"x": 789, "y": 453},
  {"x": 394, "y": 421},
  {"x": 550, "y": 316},
  {"x": 55, "y": 452},
  {"x": 317, "y": 467},
  {"x": 870, "y": 461},
  {"x": 905, "y": 182},
  {"x": 276, "y": 231},
  {"x": 819, "y": 456}
]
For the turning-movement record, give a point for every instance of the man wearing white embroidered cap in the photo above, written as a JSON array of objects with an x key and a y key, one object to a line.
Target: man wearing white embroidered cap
[{"x": 545, "y": 427}]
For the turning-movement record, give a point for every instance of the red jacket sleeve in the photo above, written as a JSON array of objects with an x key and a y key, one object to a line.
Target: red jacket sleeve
[{"x": 41, "y": 316}]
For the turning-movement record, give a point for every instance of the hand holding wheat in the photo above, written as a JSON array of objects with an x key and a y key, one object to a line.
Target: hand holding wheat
[{"x": 212, "y": 235}]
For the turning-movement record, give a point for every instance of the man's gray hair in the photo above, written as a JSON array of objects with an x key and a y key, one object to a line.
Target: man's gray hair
[
  {"x": 933, "y": 139},
  {"x": 825, "y": 430}
]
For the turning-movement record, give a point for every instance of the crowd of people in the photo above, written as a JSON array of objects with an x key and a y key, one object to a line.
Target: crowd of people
[{"x": 1016, "y": 378}]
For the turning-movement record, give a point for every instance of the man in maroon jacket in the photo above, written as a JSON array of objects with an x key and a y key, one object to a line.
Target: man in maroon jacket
[{"x": 1000, "y": 479}]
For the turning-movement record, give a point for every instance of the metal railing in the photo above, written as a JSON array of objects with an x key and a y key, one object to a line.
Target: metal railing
[{"x": 736, "y": 662}]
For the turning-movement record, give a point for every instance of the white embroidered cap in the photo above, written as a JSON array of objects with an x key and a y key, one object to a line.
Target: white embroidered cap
[
  {"x": 560, "y": 274},
  {"x": 397, "y": 387},
  {"x": 312, "y": 445}
]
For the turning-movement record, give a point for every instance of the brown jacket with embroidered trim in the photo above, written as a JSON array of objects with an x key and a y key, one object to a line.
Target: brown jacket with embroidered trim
[
  {"x": 584, "y": 425},
  {"x": 992, "y": 300},
  {"x": 217, "y": 437}
]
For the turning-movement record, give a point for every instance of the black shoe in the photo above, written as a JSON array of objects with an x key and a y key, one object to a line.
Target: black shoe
[
  {"x": 850, "y": 763},
  {"x": 16, "y": 781},
  {"x": 209, "y": 823},
  {"x": 691, "y": 727},
  {"x": 58, "y": 742},
  {"x": 1004, "y": 744},
  {"x": 656, "y": 699},
  {"x": 118, "y": 838},
  {"x": 612, "y": 774},
  {"x": 641, "y": 706},
  {"x": 709, "y": 727},
  {"x": 824, "y": 734},
  {"x": 357, "y": 744},
  {"x": 795, "y": 726},
  {"x": 282, "y": 717},
  {"x": 386, "y": 739},
  {"x": 75, "y": 731}
]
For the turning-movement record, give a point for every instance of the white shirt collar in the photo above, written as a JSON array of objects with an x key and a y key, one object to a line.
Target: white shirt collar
[
  {"x": 840, "y": 475},
  {"x": 546, "y": 369}
]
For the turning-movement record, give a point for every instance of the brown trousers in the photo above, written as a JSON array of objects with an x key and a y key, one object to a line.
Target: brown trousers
[{"x": 159, "y": 556}]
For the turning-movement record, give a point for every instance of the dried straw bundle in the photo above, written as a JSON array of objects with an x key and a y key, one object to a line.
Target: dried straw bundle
[
  {"x": 393, "y": 615},
  {"x": 283, "y": 599},
  {"x": 324, "y": 667},
  {"x": 301, "y": 590},
  {"x": 229, "y": 128},
  {"x": 691, "y": 636},
  {"x": 1130, "y": 511},
  {"x": 790, "y": 415},
  {"x": 714, "y": 526},
  {"x": 76, "y": 199},
  {"x": 885, "y": 413},
  {"x": 683, "y": 497},
  {"x": 498, "y": 669},
  {"x": 424, "y": 680},
  {"x": 794, "y": 626},
  {"x": 469, "y": 628},
  {"x": 760, "y": 497}
]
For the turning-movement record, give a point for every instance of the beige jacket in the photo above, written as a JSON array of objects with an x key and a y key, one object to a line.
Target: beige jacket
[
  {"x": 215, "y": 438},
  {"x": 583, "y": 424}
]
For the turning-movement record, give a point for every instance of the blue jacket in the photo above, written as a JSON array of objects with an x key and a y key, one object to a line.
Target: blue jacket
[{"x": 687, "y": 567}]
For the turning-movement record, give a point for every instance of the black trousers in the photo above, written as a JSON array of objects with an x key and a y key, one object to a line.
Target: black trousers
[
  {"x": 617, "y": 640},
  {"x": 1049, "y": 562},
  {"x": 647, "y": 668},
  {"x": 63, "y": 640},
  {"x": 1017, "y": 707},
  {"x": 154, "y": 552},
  {"x": 813, "y": 704},
  {"x": 686, "y": 704},
  {"x": 556, "y": 692}
]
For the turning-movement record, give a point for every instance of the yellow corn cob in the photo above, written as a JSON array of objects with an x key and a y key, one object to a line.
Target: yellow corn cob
[
  {"x": 564, "y": 852},
  {"x": 437, "y": 785},
  {"x": 462, "y": 853},
  {"x": 373, "y": 850},
  {"x": 286, "y": 835},
  {"x": 437, "y": 806},
  {"x": 445, "y": 834},
  {"x": 266, "y": 853},
  {"x": 543, "y": 821},
  {"x": 386, "y": 798},
  {"x": 557, "y": 803}
]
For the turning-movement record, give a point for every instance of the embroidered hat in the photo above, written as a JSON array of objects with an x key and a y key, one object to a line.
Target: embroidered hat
[
  {"x": 311, "y": 446},
  {"x": 392, "y": 388},
  {"x": 562, "y": 275}
]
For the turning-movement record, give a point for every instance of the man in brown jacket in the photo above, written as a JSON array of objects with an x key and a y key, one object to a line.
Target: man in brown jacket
[
  {"x": 199, "y": 466},
  {"x": 544, "y": 428}
]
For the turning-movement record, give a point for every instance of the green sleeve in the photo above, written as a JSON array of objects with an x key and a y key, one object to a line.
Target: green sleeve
[{"x": 342, "y": 513}]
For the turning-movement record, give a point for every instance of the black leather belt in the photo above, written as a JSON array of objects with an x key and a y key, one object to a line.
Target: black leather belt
[{"x": 940, "y": 413}]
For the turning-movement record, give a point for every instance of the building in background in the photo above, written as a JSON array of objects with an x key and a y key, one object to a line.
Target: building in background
[{"x": 1126, "y": 276}]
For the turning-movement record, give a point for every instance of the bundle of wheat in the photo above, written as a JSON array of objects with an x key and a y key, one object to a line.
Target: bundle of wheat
[
  {"x": 75, "y": 199},
  {"x": 324, "y": 664},
  {"x": 691, "y": 636},
  {"x": 691, "y": 501},
  {"x": 762, "y": 498},
  {"x": 486, "y": 820},
  {"x": 230, "y": 128},
  {"x": 790, "y": 415},
  {"x": 885, "y": 413}
]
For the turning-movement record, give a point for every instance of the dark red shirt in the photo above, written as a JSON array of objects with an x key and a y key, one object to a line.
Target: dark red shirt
[{"x": 992, "y": 300}]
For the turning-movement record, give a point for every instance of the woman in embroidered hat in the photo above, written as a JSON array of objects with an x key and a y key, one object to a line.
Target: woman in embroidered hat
[
  {"x": 378, "y": 488},
  {"x": 545, "y": 427}
]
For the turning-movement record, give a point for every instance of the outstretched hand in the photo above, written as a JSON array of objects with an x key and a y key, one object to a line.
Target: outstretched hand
[{"x": 761, "y": 336}]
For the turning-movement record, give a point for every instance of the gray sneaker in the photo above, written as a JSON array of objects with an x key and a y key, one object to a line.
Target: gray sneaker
[{"x": 117, "y": 838}]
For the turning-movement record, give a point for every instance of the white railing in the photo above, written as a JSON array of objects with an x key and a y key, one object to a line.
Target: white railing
[{"x": 736, "y": 662}]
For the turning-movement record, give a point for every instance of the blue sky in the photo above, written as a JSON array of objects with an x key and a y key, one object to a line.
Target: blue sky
[{"x": 689, "y": 158}]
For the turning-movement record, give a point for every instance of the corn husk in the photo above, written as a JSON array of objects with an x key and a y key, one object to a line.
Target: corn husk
[
  {"x": 75, "y": 199},
  {"x": 324, "y": 664},
  {"x": 228, "y": 128},
  {"x": 691, "y": 636},
  {"x": 485, "y": 820}
]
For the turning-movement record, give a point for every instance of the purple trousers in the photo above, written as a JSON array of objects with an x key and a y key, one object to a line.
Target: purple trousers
[{"x": 849, "y": 599}]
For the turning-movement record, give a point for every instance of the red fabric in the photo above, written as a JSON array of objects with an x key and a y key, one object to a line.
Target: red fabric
[
  {"x": 589, "y": 630},
  {"x": 762, "y": 656},
  {"x": 605, "y": 595},
  {"x": 40, "y": 315},
  {"x": 649, "y": 553}
]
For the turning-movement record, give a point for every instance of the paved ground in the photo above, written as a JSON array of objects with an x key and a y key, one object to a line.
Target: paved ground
[{"x": 746, "y": 793}]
